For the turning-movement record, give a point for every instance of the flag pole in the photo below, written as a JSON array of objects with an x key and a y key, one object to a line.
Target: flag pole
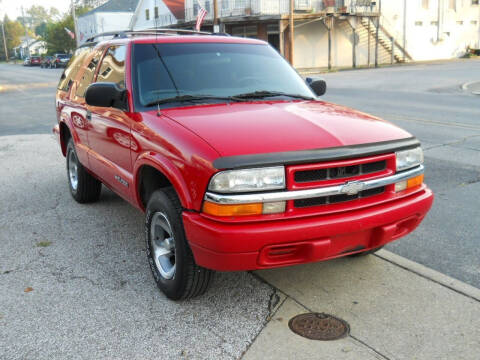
[
  {"x": 291, "y": 28},
  {"x": 75, "y": 29}
]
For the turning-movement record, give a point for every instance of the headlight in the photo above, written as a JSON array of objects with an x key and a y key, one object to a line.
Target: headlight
[
  {"x": 407, "y": 159},
  {"x": 261, "y": 179}
]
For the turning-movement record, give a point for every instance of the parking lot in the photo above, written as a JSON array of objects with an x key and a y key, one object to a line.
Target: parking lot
[{"x": 75, "y": 282}]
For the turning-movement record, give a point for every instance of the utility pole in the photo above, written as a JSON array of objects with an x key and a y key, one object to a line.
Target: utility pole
[
  {"x": 405, "y": 28},
  {"x": 378, "y": 30},
  {"x": 291, "y": 34},
  {"x": 215, "y": 17},
  {"x": 75, "y": 24},
  {"x": 26, "y": 32},
  {"x": 4, "y": 39}
]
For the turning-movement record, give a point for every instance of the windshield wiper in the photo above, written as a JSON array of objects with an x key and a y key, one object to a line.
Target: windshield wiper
[
  {"x": 265, "y": 93},
  {"x": 192, "y": 98}
]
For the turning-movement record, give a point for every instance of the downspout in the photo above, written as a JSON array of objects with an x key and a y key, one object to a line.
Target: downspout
[
  {"x": 405, "y": 28},
  {"x": 439, "y": 20}
]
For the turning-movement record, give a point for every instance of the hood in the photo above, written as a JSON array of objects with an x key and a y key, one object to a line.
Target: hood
[{"x": 266, "y": 127}]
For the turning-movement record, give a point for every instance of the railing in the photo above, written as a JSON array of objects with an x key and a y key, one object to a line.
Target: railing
[{"x": 240, "y": 8}]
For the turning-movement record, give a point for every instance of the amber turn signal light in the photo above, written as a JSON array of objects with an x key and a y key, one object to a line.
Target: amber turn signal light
[
  {"x": 232, "y": 210},
  {"x": 416, "y": 181},
  {"x": 410, "y": 183}
]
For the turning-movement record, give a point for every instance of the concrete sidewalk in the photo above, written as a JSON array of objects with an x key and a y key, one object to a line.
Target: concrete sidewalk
[{"x": 396, "y": 309}]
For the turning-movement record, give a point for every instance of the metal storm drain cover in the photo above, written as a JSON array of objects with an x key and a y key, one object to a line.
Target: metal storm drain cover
[{"x": 319, "y": 326}]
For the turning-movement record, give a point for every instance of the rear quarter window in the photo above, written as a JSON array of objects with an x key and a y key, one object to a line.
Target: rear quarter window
[
  {"x": 89, "y": 67},
  {"x": 68, "y": 75}
]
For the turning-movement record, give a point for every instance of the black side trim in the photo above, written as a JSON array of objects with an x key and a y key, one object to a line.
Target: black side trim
[{"x": 317, "y": 155}]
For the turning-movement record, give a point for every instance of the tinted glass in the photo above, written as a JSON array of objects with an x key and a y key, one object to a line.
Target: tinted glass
[
  {"x": 218, "y": 69},
  {"x": 66, "y": 80},
  {"x": 88, "y": 73},
  {"x": 112, "y": 68}
]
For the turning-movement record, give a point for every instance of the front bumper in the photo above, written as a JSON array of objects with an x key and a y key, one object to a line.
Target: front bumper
[{"x": 259, "y": 245}]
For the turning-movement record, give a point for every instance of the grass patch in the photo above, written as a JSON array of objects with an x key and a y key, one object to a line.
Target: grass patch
[{"x": 43, "y": 244}]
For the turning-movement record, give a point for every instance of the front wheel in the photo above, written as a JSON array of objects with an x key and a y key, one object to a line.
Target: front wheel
[
  {"x": 83, "y": 186},
  {"x": 169, "y": 255}
]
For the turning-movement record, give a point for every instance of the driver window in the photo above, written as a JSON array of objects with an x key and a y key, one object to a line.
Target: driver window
[{"x": 112, "y": 68}]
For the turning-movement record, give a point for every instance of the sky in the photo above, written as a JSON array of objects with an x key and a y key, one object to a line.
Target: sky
[{"x": 13, "y": 7}]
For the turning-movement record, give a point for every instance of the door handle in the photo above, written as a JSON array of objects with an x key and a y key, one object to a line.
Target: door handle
[{"x": 89, "y": 115}]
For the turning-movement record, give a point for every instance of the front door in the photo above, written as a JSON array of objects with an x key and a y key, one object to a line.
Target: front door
[{"x": 109, "y": 138}]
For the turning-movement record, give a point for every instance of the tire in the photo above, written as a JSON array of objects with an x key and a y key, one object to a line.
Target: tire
[
  {"x": 169, "y": 255},
  {"x": 365, "y": 253},
  {"x": 83, "y": 186}
]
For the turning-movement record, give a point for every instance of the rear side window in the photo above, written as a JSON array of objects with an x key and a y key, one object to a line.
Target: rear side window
[
  {"x": 112, "y": 68},
  {"x": 88, "y": 73},
  {"x": 66, "y": 80}
]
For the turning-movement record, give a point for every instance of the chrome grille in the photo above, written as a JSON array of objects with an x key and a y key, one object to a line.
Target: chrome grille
[
  {"x": 339, "y": 172},
  {"x": 334, "y": 199}
]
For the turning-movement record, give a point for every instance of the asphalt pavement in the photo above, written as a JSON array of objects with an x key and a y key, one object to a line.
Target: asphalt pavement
[{"x": 27, "y": 99}]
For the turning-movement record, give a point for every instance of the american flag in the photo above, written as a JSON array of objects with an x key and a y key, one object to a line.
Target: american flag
[
  {"x": 72, "y": 35},
  {"x": 200, "y": 17}
]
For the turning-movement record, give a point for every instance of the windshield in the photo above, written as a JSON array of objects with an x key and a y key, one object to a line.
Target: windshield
[
  {"x": 62, "y": 56},
  {"x": 222, "y": 70}
]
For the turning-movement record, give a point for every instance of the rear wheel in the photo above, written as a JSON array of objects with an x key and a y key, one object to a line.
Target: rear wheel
[
  {"x": 169, "y": 255},
  {"x": 83, "y": 186}
]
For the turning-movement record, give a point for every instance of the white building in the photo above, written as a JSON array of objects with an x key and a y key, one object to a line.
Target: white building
[
  {"x": 334, "y": 33},
  {"x": 157, "y": 13},
  {"x": 29, "y": 47},
  {"x": 114, "y": 15},
  {"x": 421, "y": 30}
]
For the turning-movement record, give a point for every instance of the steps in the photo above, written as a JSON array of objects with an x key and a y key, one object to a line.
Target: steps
[
  {"x": 367, "y": 34},
  {"x": 384, "y": 41}
]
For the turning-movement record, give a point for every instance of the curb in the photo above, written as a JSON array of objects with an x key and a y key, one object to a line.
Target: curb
[
  {"x": 467, "y": 85},
  {"x": 430, "y": 274}
]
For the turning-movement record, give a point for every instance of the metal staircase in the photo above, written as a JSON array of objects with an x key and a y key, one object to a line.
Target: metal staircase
[{"x": 385, "y": 42}]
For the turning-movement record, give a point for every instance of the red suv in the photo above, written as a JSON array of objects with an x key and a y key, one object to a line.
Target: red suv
[{"x": 233, "y": 158}]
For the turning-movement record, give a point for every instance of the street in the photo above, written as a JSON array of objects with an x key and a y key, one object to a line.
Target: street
[{"x": 75, "y": 282}]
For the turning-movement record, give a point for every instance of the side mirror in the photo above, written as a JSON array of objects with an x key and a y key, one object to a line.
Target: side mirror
[
  {"x": 319, "y": 86},
  {"x": 106, "y": 94}
]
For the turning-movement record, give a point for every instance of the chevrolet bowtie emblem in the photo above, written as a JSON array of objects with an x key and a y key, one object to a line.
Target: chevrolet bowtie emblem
[{"x": 352, "y": 187}]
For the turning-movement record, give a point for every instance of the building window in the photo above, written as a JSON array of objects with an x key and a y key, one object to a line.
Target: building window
[
  {"x": 195, "y": 8},
  {"x": 434, "y": 23},
  {"x": 147, "y": 14},
  {"x": 156, "y": 12},
  {"x": 207, "y": 6},
  {"x": 418, "y": 23},
  {"x": 474, "y": 22},
  {"x": 425, "y": 4},
  {"x": 452, "y": 4},
  {"x": 459, "y": 22},
  {"x": 475, "y": 2}
]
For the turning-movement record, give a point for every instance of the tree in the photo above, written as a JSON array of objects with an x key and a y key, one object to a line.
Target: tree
[
  {"x": 58, "y": 40},
  {"x": 36, "y": 14},
  {"x": 13, "y": 33},
  {"x": 41, "y": 29}
]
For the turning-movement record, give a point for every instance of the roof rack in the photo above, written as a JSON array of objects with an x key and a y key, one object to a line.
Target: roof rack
[{"x": 152, "y": 31}]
